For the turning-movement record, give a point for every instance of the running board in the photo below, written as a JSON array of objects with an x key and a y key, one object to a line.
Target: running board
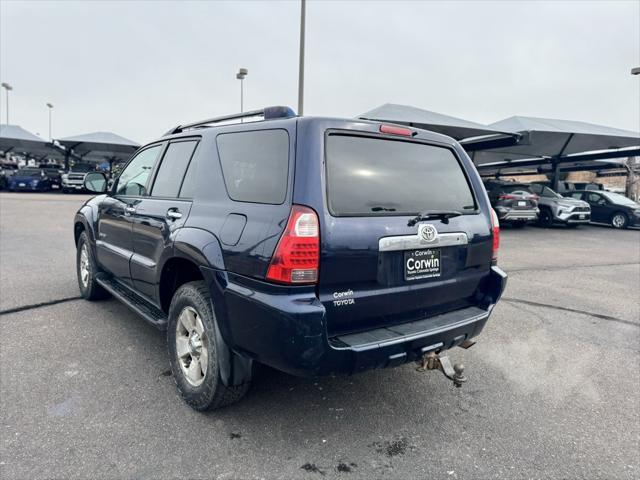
[{"x": 135, "y": 302}]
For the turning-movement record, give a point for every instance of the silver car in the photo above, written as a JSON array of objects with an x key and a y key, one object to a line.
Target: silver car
[{"x": 554, "y": 208}]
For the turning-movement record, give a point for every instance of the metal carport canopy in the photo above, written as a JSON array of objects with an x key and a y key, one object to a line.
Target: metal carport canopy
[
  {"x": 457, "y": 128},
  {"x": 15, "y": 139},
  {"x": 100, "y": 146},
  {"x": 550, "y": 141}
]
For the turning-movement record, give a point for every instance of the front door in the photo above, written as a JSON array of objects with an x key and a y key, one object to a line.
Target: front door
[
  {"x": 599, "y": 207},
  {"x": 159, "y": 216},
  {"x": 114, "y": 242}
]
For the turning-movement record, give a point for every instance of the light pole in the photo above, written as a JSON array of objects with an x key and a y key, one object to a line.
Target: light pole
[
  {"x": 50, "y": 108},
  {"x": 303, "y": 8},
  {"x": 240, "y": 76},
  {"x": 8, "y": 88}
]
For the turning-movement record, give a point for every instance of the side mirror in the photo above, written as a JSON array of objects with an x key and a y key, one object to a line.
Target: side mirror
[{"x": 95, "y": 182}]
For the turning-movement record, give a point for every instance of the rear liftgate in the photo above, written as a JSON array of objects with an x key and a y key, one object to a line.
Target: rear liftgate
[{"x": 433, "y": 361}]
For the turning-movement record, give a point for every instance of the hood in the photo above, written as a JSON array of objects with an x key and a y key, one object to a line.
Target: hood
[
  {"x": 574, "y": 202},
  {"x": 25, "y": 178}
]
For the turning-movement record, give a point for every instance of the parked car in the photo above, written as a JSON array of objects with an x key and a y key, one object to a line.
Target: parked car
[
  {"x": 313, "y": 245},
  {"x": 554, "y": 208},
  {"x": 514, "y": 203},
  {"x": 73, "y": 180},
  {"x": 53, "y": 172},
  {"x": 6, "y": 171},
  {"x": 31, "y": 179},
  {"x": 609, "y": 207}
]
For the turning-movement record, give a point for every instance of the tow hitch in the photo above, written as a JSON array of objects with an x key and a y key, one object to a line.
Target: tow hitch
[{"x": 431, "y": 361}]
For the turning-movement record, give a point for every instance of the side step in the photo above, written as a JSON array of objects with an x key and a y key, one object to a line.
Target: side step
[{"x": 135, "y": 302}]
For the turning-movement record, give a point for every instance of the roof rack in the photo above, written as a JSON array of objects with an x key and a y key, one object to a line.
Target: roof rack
[{"x": 268, "y": 113}]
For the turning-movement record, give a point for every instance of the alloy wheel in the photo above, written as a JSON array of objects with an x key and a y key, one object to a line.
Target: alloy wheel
[
  {"x": 192, "y": 346},
  {"x": 618, "y": 220},
  {"x": 85, "y": 269}
]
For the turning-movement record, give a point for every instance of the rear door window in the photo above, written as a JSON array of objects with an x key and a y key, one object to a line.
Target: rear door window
[
  {"x": 255, "y": 165},
  {"x": 172, "y": 169},
  {"x": 371, "y": 176}
]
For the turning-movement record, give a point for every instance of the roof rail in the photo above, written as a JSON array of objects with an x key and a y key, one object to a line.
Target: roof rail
[{"x": 268, "y": 113}]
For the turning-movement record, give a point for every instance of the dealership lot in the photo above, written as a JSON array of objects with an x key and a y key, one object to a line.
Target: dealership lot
[{"x": 552, "y": 391}]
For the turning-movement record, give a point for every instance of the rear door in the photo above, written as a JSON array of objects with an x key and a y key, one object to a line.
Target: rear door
[
  {"x": 600, "y": 210},
  {"x": 159, "y": 215},
  {"x": 378, "y": 267}
]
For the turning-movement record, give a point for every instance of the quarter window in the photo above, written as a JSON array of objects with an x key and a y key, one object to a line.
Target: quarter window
[
  {"x": 255, "y": 165},
  {"x": 172, "y": 169},
  {"x": 133, "y": 179}
]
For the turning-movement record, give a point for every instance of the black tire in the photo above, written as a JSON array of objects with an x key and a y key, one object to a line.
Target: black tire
[
  {"x": 619, "y": 220},
  {"x": 211, "y": 393},
  {"x": 545, "y": 219},
  {"x": 89, "y": 289}
]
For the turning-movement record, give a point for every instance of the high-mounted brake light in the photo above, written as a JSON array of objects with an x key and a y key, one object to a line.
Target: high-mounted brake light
[
  {"x": 297, "y": 256},
  {"x": 393, "y": 130},
  {"x": 495, "y": 231}
]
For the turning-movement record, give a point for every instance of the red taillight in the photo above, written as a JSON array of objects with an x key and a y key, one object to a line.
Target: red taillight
[
  {"x": 495, "y": 231},
  {"x": 507, "y": 197},
  {"x": 297, "y": 255},
  {"x": 393, "y": 130}
]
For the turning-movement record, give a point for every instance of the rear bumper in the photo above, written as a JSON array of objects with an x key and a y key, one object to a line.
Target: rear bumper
[
  {"x": 517, "y": 215},
  {"x": 285, "y": 328}
]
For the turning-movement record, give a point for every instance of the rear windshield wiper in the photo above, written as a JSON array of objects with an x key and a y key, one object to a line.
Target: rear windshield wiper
[{"x": 443, "y": 215}]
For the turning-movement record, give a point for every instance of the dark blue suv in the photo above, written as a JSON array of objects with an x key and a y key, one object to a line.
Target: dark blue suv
[{"x": 312, "y": 245}]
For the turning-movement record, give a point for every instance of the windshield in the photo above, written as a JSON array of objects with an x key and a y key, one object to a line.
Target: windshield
[
  {"x": 29, "y": 172},
  {"x": 82, "y": 168},
  {"x": 618, "y": 199},
  {"x": 372, "y": 176},
  {"x": 547, "y": 192}
]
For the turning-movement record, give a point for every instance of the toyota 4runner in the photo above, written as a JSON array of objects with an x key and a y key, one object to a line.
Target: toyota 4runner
[{"x": 312, "y": 245}]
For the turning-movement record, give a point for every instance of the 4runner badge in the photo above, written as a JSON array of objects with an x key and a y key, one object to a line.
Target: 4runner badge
[{"x": 428, "y": 233}]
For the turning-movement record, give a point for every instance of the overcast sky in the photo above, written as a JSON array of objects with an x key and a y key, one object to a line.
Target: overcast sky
[{"x": 138, "y": 68}]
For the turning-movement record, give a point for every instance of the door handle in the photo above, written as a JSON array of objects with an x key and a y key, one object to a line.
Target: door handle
[
  {"x": 130, "y": 210},
  {"x": 174, "y": 214}
]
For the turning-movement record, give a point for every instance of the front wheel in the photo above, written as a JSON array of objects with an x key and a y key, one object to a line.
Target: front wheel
[
  {"x": 86, "y": 270},
  {"x": 194, "y": 350},
  {"x": 619, "y": 220},
  {"x": 546, "y": 218}
]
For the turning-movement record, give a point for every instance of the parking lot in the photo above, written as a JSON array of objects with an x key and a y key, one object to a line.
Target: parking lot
[{"x": 85, "y": 390}]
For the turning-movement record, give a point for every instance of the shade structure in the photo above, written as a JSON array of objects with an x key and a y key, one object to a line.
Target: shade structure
[
  {"x": 15, "y": 139},
  {"x": 454, "y": 127},
  {"x": 100, "y": 146},
  {"x": 545, "y": 140}
]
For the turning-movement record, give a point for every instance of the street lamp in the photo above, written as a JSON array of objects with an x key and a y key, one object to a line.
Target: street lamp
[
  {"x": 635, "y": 71},
  {"x": 50, "y": 108},
  {"x": 240, "y": 76},
  {"x": 8, "y": 88},
  {"x": 303, "y": 9}
]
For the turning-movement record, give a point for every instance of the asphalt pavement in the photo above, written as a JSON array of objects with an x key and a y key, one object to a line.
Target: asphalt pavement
[{"x": 553, "y": 390}]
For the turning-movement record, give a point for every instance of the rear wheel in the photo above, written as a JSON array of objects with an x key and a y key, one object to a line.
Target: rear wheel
[
  {"x": 194, "y": 350},
  {"x": 619, "y": 220},
  {"x": 86, "y": 270}
]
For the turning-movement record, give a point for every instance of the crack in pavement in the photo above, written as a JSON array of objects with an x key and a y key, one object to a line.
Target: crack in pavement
[
  {"x": 573, "y": 310},
  {"x": 566, "y": 267},
  {"x": 39, "y": 305}
]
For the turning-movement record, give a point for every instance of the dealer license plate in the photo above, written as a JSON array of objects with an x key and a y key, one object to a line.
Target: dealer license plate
[
  {"x": 22, "y": 185},
  {"x": 522, "y": 204},
  {"x": 582, "y": 217},
  {"x": 422, "y": 264}
]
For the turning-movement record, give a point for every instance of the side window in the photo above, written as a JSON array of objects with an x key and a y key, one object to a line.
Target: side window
[
  {"x": 133, "y": 179},
  {"x": 255, "y": 165},
  {"x": 596, "y": 199},
  {"x": 171, "y": 171},
  {"x": 577, "y": 195},
  {"x": 535, "y": 188},
  {"x": 189, "y": 183}
]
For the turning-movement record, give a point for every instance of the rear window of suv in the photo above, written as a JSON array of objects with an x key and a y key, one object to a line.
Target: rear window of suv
[
  {"x": 255, "y": 165},
  {"x": 370, "y": 176}
]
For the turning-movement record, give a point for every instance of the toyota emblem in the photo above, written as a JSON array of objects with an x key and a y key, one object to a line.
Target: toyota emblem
[{"x": 428, "y": 233}]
